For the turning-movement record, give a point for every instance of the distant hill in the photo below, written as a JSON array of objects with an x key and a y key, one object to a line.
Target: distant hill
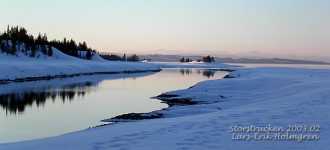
[
  {"x": 176, "y": 58},
  {"x": 270, "y": 61}
]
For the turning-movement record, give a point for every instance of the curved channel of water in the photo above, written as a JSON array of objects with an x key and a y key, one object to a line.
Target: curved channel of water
[{"x": 41, "y": 109}]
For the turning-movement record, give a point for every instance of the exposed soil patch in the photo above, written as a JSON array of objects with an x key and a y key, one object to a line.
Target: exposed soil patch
[
  {"x": 169, "y": 99},
  {"x": 228, "y": 76},
  {"x": 172, "y": 100},
  {"x": 135, "y": 116}
]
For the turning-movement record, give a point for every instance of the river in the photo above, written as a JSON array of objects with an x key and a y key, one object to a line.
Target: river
[{"x": 33, "y": 110}]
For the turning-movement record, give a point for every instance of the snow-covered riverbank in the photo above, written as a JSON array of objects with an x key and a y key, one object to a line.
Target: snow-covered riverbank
[
  {"x": 21, "y": 66},
  {"x": 259, "y": 97}
]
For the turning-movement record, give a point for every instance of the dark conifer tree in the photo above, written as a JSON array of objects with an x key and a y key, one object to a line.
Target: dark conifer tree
[
  {"x": 49, "y": 51},
  {"x": 13, "y": 47},
  {"x": 124, "y": 58},
  {"x": 111, "y": 57},
  {"x": 82, "y": 46},
  {"x": 89, "y": 55},
  {"x": 33, "y": 50},
  {"x": 19, "y": 37},
  {"x": 2, "y": 46},
  {"x": 182, "y": 59},
  {"x": 133, "y": 58},
  {"x": 208, "y": 59}
]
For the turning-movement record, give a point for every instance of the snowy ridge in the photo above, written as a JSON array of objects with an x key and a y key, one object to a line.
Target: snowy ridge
[
  {"x": 262, "y": 96},
  {"x": 22, "y": 66}
]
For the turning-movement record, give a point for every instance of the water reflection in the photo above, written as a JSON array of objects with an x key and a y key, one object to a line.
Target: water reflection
[
  {"x": 209, "y": 73},
  {"x": 31, "y": 110},
  {"x": 185, "y": 71},
  {"x": 15, "y": 98},
  {"x": 14, "y": 103}
]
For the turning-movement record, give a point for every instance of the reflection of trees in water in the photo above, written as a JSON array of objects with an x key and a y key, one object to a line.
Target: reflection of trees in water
[
  {"x": 185, "y": 71},
  {"x": 17, "y": 102},
  {"x": 206, "y": 73},
  {"x": 209, "y": 73}
]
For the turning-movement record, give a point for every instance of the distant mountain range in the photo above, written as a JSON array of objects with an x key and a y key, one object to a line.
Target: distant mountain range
[{"x": 176, "y": 58}]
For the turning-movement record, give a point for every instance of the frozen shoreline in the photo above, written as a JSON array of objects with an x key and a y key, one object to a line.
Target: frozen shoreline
[
  {"x": 22, "y": 68},
  {"x": 262, "y": 96},
  {"x": 51, "y": 77}
]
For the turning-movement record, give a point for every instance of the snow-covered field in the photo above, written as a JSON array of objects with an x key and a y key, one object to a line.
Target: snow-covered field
[
  {"x": 21, "y": 66},
  {"x": 276, "y": 97}
]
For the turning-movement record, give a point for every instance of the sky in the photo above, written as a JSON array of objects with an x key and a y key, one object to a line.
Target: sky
[{"x": 235, "y": 28}]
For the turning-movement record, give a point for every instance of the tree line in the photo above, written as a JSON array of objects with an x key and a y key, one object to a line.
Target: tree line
[
  {"x": 114, "y": 57},
  {"x": 16, "y": 38},
  {"x": 207, "y": 59}
]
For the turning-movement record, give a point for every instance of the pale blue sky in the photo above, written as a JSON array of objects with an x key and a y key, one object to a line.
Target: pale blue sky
[{"x": 292, "y": 28}]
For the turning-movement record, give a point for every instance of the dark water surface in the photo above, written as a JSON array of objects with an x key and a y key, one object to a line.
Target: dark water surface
[{"x": 40, "y": 109}]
